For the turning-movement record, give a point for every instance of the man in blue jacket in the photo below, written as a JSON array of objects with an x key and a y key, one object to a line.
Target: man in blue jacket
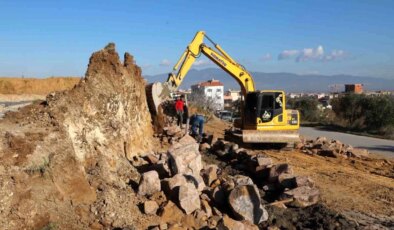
[{"x": 197, "y": 120}]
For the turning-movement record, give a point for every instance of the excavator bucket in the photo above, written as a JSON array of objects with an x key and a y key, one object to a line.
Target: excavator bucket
[
  {"x": 156, "y": 93},
  {"x": 258, "y": 136}
]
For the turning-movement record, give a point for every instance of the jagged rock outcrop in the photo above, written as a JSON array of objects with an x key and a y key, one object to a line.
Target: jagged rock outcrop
[{"x": 68, "y": 162}]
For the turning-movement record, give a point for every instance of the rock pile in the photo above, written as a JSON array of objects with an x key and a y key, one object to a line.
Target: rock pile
[
  {"x": 204, "y": 196},
  {"x": 330, "y": 148},
  {"x": 277, "y": 180}
]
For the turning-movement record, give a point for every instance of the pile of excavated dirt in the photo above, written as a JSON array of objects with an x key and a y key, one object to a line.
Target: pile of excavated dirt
[
  {"x": 64, "y": 162},
  {"x": 36, "y": 86}
]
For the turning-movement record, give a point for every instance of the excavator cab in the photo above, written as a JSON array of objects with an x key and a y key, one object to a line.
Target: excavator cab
[
  {"x": 263, "y": 108},
  {"x": 266, "y": 111}
]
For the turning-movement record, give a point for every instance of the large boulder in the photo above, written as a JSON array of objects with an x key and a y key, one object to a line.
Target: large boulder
[
  {"x": 245, "y": 202},
  {"x": 185, "y": 157},
  {"x": 150, "y": 183},
  {"x": 189, "y": 199}
]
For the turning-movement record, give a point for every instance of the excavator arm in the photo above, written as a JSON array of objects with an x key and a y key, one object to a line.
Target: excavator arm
[{"x": 218, "y": 56}]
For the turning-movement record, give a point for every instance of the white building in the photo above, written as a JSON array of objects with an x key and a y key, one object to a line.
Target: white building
[
  {"x": 210, "y": 92},
  {"x": 234, "y": 94}
]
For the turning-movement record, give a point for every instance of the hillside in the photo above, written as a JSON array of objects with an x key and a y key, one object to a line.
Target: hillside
[{"x": 36, "y": 86}]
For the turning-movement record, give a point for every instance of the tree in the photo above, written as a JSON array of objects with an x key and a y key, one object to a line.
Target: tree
[{"x": 307, "y": 106}]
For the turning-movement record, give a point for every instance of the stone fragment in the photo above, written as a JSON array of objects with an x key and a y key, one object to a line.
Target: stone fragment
[
  {"x": 359, "y": 153},
  {"x": 234, "y": 147},
  {"x": 242, "y": 180},
  {"x": 216, "y": 212},
  {"x": 206, "y": 208},
  {"x": 299, "y": 145},
  {"x": 196, "y": 180},
  {"x": 172, "y": 130},
  {"x": 231, "y": 224},
  {"x": 320, "y": 140},
  {"x": 304, "y": 181},
  {"x": 303, "y": 196},
  {"x": 163, "y": 226},
  {"x": 150, "y": 207},
  {"x": 278, "y": 169},
  {"x": 170, "y": 213},
  {"x": 263, "y": 160},
  {"x": 209, "y": 174},
  {"x": 204, "y": 147},
  {"x": 245, "y": 202},
  {"x": 213, "y": 222},
  {"x": 185, "y": 157},
  {"x": 241, "y": 151},
  {"x": 151, "y": 158},
  {"x": 290, "y": 181},
  {"x": 149, "y": 184},
  {"x": 170, "y": 183},
  {"x": 188, "y": 198},
  {"x": 200, "y": 215}
]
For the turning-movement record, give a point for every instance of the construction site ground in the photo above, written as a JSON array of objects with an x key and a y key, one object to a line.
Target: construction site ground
[
  {"x": 63, "y": 165},
  {"x": 360, "y": 189}
]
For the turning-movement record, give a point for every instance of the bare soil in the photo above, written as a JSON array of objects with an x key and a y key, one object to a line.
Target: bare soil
[
  {"x": 37, "y": 86},
  {"x": 356, "y": 192}
]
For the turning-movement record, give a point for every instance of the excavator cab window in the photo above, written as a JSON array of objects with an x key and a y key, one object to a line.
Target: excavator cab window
[{"x": 271, "y": 105}]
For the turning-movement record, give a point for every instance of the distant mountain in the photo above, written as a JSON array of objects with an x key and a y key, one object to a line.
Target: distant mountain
[{"x": 285, "y": 81}]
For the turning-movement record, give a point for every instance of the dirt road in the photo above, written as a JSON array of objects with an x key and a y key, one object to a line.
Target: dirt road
[{"x": 381, "y": 147}]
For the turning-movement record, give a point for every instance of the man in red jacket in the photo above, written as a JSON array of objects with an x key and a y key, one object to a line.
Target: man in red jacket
[{"x": 179, "y": 111}]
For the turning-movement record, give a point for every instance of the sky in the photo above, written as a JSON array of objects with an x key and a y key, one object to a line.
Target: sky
[{"x": 56, "y": 38}]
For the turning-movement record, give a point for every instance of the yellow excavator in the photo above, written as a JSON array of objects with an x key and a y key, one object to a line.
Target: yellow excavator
[{"x": 264, "y": 117}]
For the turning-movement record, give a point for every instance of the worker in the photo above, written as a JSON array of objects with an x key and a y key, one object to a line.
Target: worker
[
  {"x": 197, "y": 120},
  {"x": 179, "y": 111},
  {"x": 186, "y": 117}
]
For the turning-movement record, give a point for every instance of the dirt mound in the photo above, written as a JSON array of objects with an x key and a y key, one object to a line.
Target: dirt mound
[
  {"x": 64, "y": 161},
  {"x": 9, "y": 85}
]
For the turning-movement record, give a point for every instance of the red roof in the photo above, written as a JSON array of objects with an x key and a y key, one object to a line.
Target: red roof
[{"x": 211, "y": 83}]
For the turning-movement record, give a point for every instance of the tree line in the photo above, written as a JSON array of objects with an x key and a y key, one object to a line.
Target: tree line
[{"x": 358, "y": 112}]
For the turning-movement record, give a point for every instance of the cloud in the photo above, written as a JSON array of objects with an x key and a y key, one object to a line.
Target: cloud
[
  {"x": 285, "y": 54},
  {"x": 312, "y": 54},
  {"x": 202, "y": 62},
  {"x": 335, "y": 55},
  {"x": 165, "y": 62},
  {"x": 266, "y": 57}
]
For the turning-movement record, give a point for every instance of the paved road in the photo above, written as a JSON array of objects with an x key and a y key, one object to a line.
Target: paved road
[{"x": 374, "y": 145}]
